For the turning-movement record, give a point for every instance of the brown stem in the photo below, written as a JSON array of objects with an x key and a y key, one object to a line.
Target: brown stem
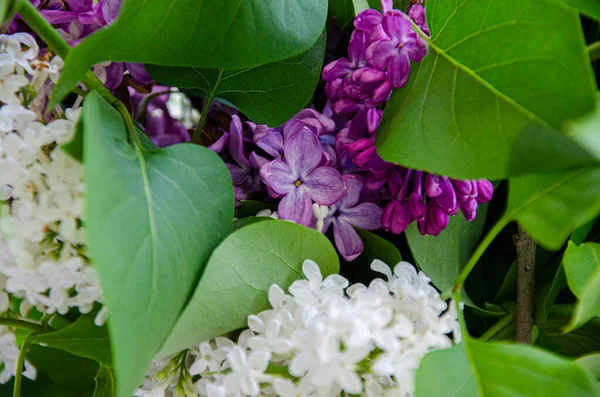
[{"x": 525, "y": 246}]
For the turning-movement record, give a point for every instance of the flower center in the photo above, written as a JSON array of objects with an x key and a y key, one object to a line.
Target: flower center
[
  {"x": 400, "y": 45},
  {"x": 298, "y": 183}
]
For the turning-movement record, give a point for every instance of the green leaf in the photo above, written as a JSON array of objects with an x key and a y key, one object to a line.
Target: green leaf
[
  {"x": 75, "y": 147},
  {"x": 571, "y": 197},
  {"x": 6, "y": 9},
  {"x": 443, "y": 257},
  {"x": 239, "y": 274},
  {"x": 590, "y": 8},
  {"x": 64, "y": 369},
  {"x": 228, "y": 34},
  {"x": 268, "y": 94},
  {"x": 472, "y": 368},
  {"x": 586, "y": 130},
  {"x": 343, "y": 11},
  {"x": 582, "y": 267},
  {"x": 549, "y": 284},
  {"x": 360, "y": 5},
  {"x": 580, "y": 341},
  {"x": 105, "y": 383},
  {"x": 152, "y": 219},
  {"x": 376, "y": 247},
  {"x": 82, "y": 338},
  {"x": 591, "y": 363},
  {"x": 240, "y": 223},
  {"x": 479, "y": 104}
]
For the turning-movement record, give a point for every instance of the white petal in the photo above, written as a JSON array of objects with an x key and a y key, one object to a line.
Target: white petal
[{"x": 381, "y": 267}]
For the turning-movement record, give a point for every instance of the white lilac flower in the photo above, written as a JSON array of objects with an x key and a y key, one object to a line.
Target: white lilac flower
[
  {"x": 329, "y": 339},
  {"x": 43, "y": 259}
]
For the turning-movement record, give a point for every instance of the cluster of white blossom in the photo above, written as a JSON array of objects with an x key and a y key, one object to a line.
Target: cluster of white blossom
[
  {"x": 42, "y": 254},
  {"x": 325, "y": 338}
]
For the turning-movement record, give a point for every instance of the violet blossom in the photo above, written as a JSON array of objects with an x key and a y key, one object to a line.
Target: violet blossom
[
  {"x": 300, "y": 179},
  {"x": 347, "y": 214}
]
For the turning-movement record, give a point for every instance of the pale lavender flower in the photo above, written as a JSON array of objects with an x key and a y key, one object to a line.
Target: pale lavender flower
[{"x": 300, "y": 179}]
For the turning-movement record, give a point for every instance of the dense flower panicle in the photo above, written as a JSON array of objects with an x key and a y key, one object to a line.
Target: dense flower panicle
[
  {"x": 43, "y": 259},
  {"x": 323, "y": 168},
  {"x": 324, "y": 338}
]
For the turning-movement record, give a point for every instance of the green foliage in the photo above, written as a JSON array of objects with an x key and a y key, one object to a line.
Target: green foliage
[
  {"x": 571, "y": 197},
  {"x": 6, "y": 10},
  {"x": 375, "y": 248},
  {"x": 575, "y": 343},
  {"x": 229, "y": 34},
  {"x": 239, "y": 274},
  {"x": 64, "y": 370},
  {"x": 74, "y": 148},
  {"x": 591, "y": 363},
  {"x": 472, "y": 368},
  {"x": 582, "y": 267},
  {"x": 82, "y": 338},
  {"x": 442, "y": 258},
  {"x": 268, "y": 94},
  {"x": 590, "y": 8},
  {"x": 240, "y": 223},
  {"x": 480, "y": 105},
  {"x": 150, "y": 233},
  {"x": 105, "y": 383},
  {"x": 586, "y": 130}
]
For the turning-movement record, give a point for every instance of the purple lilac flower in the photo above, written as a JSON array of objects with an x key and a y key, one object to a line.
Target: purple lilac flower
[
  {"x": 245, "y": 169},
  {"x": 300, "y": 179},
  {"x": 395, "y": 53},
  {"x": 163, "y": 129},
  {"x": 416, "y": 12},
  {"x": 348, "y": 214}
]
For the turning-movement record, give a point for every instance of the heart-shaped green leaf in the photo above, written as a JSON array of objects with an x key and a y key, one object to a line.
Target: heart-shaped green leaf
[
  {"x": 475, "y": 369},
  {"x": 590, "y": 8},
  {"x": 82, "y": 338},
  {"x": 228, "y": 34},
  {"x": 582, "y": 267},
  {"x": 238, "y": 276},
  {"x": 480, "y": 103},
  {"x": 152, "y": 219},
  {"x": 571, "y": 197},
  {"x": 268, "y": 94}
]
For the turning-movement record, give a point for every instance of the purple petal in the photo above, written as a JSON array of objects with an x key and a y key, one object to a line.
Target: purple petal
[
  {"x": 110, "y": 9},
  {"x": 373, "y": 118},
  {"x": 447, "y": 199},
  {"x": 365, "y": 216},
  {"x": 485, "y": 190},
  {"x": 395, "y": 217},
  {"x": 399, "y": 70},
  {"x": 139, "y": 73},
  {"x": 238, "y": 175},
  {"x": 220, "y": 144},
  {"x": 296, "y": 206},
  {"x": 336, "y": 69},
  {"x": 417, "y": 49},
  {"x": 469, "y": 209},
  {"x": 325, "y": 185},
  {"x": 114, "y": 75},
  {"x": 380, "y": 52},
  {"x": 432, "y": 185},
  {"x": 302, "y": 152},
  {"x": 271, "y": 142},
  {"x": 347, "y": 240},
  {"x": 321, "y": 123},
  {"x": 357, "y": 48},
  {"x": 81, "y": 5},
  {"x": 236, "y": 141},
  {"x": 58, "y": 17},
  {"x": 417, "y": 207},
  {"x": 354, "y": 185},
  {"x": 346, "y": 107},
  {"x": 277, "y": 175},
  {"x": 368, "y": 19},
  {"x": 397, "y": 26},
  {"x": 387, "y": 6}
]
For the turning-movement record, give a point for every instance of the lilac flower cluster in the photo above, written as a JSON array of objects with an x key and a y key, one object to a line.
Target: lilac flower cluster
[
  {"x": 76, "y": 19},
  {"x": 323, "y": 168}
]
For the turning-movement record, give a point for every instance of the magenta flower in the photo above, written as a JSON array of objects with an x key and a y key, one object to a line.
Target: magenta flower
[
  {"x": 395, "y": 53},
  {"x": 244, "y": 171},
  {"x": 300, "y": 180},
  {"x": 347, "y": 214},
  {"x": 416, "y": 12}
]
